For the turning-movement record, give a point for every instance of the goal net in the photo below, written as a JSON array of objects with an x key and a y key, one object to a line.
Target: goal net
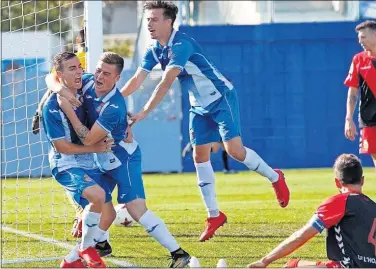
[{"x": 35, "y": 214}]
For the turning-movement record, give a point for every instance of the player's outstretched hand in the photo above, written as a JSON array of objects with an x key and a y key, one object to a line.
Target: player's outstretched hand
[
  {"x": 138, "y": 117},
  {"x": 258, "y": 264},
  {"x": 350, "y": 129}
]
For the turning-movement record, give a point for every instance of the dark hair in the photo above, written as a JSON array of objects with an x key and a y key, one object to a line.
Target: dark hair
[
  {"x": 62, "y": 57},
  {"x": 113, "y": 58},
  {"x": 170, "y": 9},
  {"x": 83, "y": 39},
  {"x": 366, "y": 24},
  {"x": 348, "y": 169}
]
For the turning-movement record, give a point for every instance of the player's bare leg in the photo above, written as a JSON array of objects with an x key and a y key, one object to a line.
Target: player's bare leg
[
  {"x": 254, "y": 162},
  {"x": 158, "y": 230},
  {"x": 206, "y": 183}
]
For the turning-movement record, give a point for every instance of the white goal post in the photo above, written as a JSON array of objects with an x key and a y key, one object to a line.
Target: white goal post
[{"x": 35, "y": 214}]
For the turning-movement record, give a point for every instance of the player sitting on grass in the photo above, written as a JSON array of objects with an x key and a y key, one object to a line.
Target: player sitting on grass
[{"x": 350, "y": 220}]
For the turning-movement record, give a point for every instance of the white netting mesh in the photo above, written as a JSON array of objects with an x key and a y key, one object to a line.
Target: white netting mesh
[{"x": 34, "y": 207}]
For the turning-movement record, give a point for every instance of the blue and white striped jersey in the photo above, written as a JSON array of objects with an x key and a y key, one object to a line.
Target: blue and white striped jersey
[
  {"x": 109, "y": 112},
  {"x": 57, "y": 126},
  {"x": 204, "y": 83}
]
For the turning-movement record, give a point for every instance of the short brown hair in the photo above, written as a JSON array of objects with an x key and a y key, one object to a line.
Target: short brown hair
[
  {"x": 170, "y": 9},
  {"x": 348, "y": 169},
  {"x": 62, "y": 57},
  {"x": 366, "y": 25},
  {"x": 113, "y": 58}
]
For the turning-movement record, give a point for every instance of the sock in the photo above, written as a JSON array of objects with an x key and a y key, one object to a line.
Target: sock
[
  {"x": 90, "y": 221},
  {"x": 254, "y": 162},
  {"x": 225, "y": 160},
  {"x": 73, "y": 254},
  {"x": 206, "y": 182},
  {"x": 100, "y": 235},
  {"x": 158, "y": 230}
]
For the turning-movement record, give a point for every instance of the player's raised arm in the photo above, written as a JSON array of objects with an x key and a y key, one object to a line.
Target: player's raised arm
[
  {"x": 134, "y": 83},
  {"x": 158, "y": 94}
]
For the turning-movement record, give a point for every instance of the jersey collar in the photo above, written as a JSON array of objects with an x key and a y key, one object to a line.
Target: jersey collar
[
  {"x": 169, "y": 43},
  {"x": 107, "y": 96}
]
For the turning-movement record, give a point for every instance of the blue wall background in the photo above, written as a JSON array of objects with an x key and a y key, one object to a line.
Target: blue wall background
[{"x": 289, "y": 79}]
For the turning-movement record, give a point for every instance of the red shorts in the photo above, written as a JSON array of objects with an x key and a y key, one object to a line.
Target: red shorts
[{"x": 367, "y": 141}]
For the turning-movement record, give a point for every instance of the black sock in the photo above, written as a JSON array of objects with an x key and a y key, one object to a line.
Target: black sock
[{"x": 225, "y": 160}]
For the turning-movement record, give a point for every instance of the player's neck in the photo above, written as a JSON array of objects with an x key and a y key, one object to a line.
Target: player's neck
[
  {"x": 351, "y": 189},
  {"x": 100, "y": 93},
  {"x": 164, "y": 40},
  {"x": 74, "y": 91},
  {"x": 372, "y": 53}
]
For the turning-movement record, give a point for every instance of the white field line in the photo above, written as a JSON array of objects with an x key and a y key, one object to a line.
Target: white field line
[{"x": 54, "y": 242}]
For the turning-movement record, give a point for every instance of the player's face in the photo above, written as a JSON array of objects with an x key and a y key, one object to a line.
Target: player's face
[
  {"x": 106, "y": 77},
  {"x": 71, "y": 73},
  {"x": 158, "y": 25},
  {"x": 367, "y": 39}
]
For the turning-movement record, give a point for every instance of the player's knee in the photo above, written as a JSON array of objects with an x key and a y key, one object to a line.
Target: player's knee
[
  {"x": 237, "y": 153},
  {"x": 95, "y": 195},
  {"x": 201, "y": 157}
]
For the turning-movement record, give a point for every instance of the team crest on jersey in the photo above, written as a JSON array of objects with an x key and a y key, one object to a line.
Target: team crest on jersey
[
  {"x": 99, "y": 108},
  {"x": 87, "y": 178}
]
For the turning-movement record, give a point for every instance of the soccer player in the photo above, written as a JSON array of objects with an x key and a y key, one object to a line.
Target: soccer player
[
  {"x": 72, "y": 164},
  {"x": 350, "y": 220},
  {"x": 361, "y": 77},
  {"x": 81, "y": 54},
  {"x": 214, "y": 113},
  {"x": 107, "y": 117}
]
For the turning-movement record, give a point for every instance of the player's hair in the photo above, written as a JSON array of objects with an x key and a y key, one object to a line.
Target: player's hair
[
  {"x": 170, "y": 9},
  {"x": 366, "y": 25},
  {"x": 113, "y": 58},
  {"x": 348, "y": 169},
  {"x": 62, "y": 57}
]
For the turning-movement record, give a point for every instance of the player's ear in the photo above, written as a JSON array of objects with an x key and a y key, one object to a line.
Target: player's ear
[
  {"x": 59, "y": 74},
  {"x": 362, "y": 181},
  {"x": 117, "y": 78},
  {"x": 338, "y": 183}
]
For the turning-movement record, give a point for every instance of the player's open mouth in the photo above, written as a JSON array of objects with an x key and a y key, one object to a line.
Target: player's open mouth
[
  {"x": 78, "y": 80},
  {"x": 98, "y": 84}
]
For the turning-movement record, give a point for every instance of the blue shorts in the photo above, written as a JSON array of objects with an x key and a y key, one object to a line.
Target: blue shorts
[
  {"x": 76, "y": 180},
  {"x": 219, "y": 121},
  {"x": 128, "y": 178}
]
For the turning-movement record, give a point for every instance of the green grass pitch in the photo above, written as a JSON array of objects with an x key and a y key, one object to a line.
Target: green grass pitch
[{"x": 255, "y": 221}]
